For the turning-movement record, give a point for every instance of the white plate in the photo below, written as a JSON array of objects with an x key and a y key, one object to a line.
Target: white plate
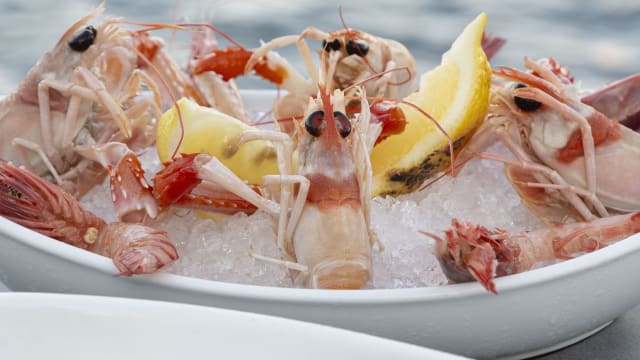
[
  {"x": 39, "y": 326},
  {"x": 535, "y": 312}
]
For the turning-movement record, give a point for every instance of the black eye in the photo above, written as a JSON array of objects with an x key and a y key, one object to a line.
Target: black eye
[
  {"x": 84, "y": 39},
  {"x": 331, "y": 45},
  {"x": 526, "y": 104},
  {"x": 357, "y": 47},
  {"x": 315, "y": 123},
  {"x": 342, "y": 123}
]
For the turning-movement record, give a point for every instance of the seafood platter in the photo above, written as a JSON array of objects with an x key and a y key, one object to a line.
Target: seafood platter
[{"x": 483, "y": 210}]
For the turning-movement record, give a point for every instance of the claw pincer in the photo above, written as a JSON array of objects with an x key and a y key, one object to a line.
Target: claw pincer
[
  {"x": 180, "y": 184},
  {"x": 132, "y": 196},
  {"x": 175, "y": 180}
]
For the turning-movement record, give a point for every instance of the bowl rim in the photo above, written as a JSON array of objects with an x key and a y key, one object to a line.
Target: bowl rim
[{"x": 451, "y": 292}]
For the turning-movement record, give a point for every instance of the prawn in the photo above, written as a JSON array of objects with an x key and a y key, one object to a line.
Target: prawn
[
  {"x": 41, "y": 206},
  {"x": 471, "y": 252},
  {"x": 76, "y": 95},
  {"x": 572, "y": 162},
  {"x": 321, "y": 210}
]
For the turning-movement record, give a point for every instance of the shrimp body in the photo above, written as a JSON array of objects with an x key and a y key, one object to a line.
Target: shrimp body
[
  {"x": 321, "y": 210},
  {"x": 332, "y": 240},
  {"x": 471, "y": 252},
  {"x": 46, "y": 208},
  {"x": 572, "y": 161},
  {"x": 83, "y": 91},
  {"x": 332, "y": 236}
]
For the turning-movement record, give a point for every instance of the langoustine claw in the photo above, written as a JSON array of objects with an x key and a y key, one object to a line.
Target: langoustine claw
[
  {"x": 181, "y": 184},
  {"x": 46, "y": 208},
  {"x": 132, "y": 196},
  {"x": 472, "y": 252}
]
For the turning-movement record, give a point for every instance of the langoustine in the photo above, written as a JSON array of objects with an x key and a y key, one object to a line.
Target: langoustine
[
  {"x": 333, "y": 237},
  {"x": 76, "y": 95},
  {"x": 360, "y": 57},
  {"x": 39, "y": 205},
  {"x": 384, "y": 67},
  {"x": 572, "y": 162},
  {"x": 321, "y": 211},
  {"x": 88, "y": 91},
  {"x": 472, "y": 252}
]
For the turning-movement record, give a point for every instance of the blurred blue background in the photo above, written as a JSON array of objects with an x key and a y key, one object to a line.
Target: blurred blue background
[{"x": 598, "y": 40}]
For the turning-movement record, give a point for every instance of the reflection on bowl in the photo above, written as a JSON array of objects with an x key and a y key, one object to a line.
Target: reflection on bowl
[
  {"x": 115, "y": 328},
  {"x": 534, "y": 312}
]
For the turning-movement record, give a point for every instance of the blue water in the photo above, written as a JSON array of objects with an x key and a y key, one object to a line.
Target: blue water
[{"x": 598, "y": 40}]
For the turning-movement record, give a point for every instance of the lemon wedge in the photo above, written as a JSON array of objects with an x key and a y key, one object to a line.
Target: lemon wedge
[
  {"x": 210, "y": 131},
  {"x": 456, "y": 94}
]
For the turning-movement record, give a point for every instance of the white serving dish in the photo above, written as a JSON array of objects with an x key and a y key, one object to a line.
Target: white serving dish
[
  {"x": 40, "y": 326},
  {"x": 535, "y": 312}
]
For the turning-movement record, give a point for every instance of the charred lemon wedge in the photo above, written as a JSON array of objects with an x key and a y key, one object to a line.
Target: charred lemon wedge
[
  {"x": 210, "y": 131},
  {"x": 456, "y": 94}
]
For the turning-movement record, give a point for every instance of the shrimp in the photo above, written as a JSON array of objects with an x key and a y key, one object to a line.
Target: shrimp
[
  {"x": 76, "y": 95},
  {"x": 321, "y": 210},
  {"x": 41, "y": 206},
  {"x": 572, "y": 161},
  {"x": 362, "y": 57},
  {"x": 472, "y": 252},
  {"x": 385, "y": 67},
  {"x": 79, "y": 111},
  {"x": 333, "y": 237}
]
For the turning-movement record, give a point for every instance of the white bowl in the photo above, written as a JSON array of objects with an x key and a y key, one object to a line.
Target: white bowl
[
  {"x": 534, "y": 312},
  {"x": 39, "y": 326}
]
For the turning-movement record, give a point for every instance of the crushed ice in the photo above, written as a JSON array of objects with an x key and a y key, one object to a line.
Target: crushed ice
[{"x": 218, "y": 249}]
